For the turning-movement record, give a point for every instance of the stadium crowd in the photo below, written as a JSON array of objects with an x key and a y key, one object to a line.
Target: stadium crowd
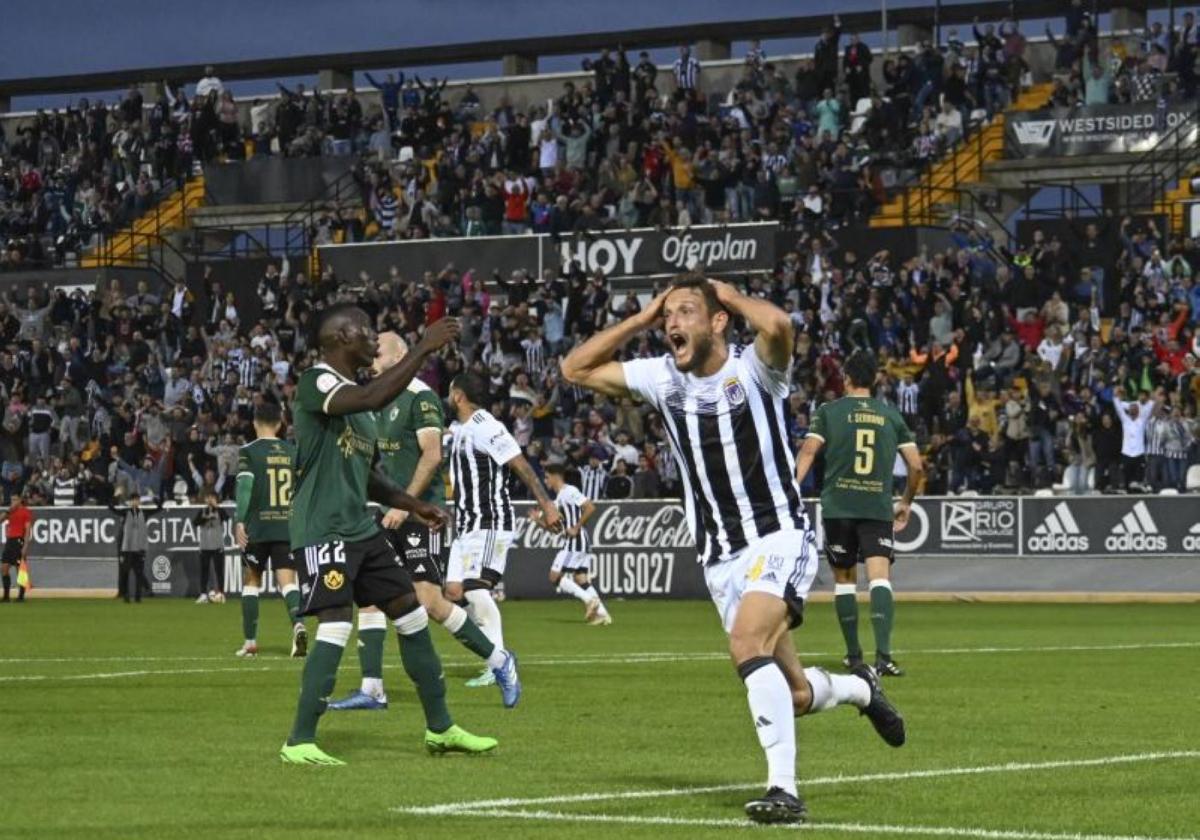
[
  {"x": 1069, "y": 361},
  {"x": 1065, "y": 361},
  {"x": 632, "y": 145}
]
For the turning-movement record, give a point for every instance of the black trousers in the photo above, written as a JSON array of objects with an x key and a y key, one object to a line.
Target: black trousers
[
  {"x": 132, "y": 563},
  {"x": 214, "y": 560}
]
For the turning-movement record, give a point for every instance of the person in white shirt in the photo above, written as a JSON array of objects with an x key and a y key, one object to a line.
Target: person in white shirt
[
  {"x": 1050, "y": 350},
  {"x": 949, "y": 124},
  {"x": 209, "y": 83},
  {"x": 1133, "y": 416}
]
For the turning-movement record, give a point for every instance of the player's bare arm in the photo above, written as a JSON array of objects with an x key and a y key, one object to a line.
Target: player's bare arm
[
  {"x": 376, "y": 394},
  {"x": 382, "y": 490},
  {"x": 551, "y": 518},
  {"x": 916, "y": 470},
  {"x": 807, "y": 455},
  {"x": 774, "y": 333},
  {"x": 592, "y": 365},
  {"x": 430, "y": 442}
]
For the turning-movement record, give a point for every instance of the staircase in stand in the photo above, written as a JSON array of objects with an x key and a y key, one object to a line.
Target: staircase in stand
[
  {"x": 170, "y": 214},
  {"x": 918, "y": 204}
]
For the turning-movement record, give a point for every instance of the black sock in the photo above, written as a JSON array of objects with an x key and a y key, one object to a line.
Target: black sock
[
  {"x": 7, "y": 585},
  {"x": 20, "y": 593}
]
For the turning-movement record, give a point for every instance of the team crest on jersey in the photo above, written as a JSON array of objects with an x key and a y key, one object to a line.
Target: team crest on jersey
[
  {"x": 414, "y": 540},
  {"x": 334, "y": 579},
  {"x": 734, "y": 392},
  {"x": 393, "y": 414}
]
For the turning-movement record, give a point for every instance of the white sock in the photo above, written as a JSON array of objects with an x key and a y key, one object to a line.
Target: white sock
[
  {"x": 373, "y": 687},
  {"x": 484, "y": 612},
  {"x": 592, "y": 594},
  {"x": 454, "y": 623},
  {"x": 771, "y": 709},
  {"x": 829, "y": 690},
  {"x": 567, "y": 586},
  {"x": 372, "y": 621}
]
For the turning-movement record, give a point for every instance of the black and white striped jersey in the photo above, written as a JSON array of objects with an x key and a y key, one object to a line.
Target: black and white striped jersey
[
  {"x": 570, "y": 502},
  {"x": 480, "y": 449},
  {"x": 728, "y": 433},
  {"x": 594, "y": 481}
]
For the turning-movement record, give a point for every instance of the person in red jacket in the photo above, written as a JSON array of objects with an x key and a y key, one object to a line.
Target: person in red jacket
[
  {"x": 1167, "y": 347},
  {"x": 1029, "y": 330},
  {"x": 18, "y": 521}
]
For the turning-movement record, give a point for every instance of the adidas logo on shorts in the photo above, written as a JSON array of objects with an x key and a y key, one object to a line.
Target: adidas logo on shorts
[
  {"x": 1058, "y": 532},
  {"x": 1136, "y": 532}
]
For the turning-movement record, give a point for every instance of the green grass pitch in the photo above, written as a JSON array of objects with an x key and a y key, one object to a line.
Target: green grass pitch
[{"x": 124, "y": 721}]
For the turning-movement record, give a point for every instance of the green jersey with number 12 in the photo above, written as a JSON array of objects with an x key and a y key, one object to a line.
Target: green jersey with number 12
[
  {"x": 861, "y": 436},
  {"x": 270, "y": 462}
]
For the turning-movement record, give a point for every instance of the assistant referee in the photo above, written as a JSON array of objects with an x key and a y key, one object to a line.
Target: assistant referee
[{"x": 18, "y": 520}]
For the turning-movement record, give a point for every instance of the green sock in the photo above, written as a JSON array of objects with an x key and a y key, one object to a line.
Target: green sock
[
  {"x": 883, "y": 613},
  {"x": 291, "y": 600},
  {"x": 423, "y": 667},
  {"x": 316, "y": 685},
  {"x": 370, "y": 652},
  {"x": 250, "y": 613},
  {"x": 472, "y": 639},
  {"x": 847, "y": 612}
]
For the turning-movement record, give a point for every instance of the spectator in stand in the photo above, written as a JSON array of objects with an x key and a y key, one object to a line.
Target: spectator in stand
[
  {"x": 856, "y": 64},
  {"x": 209, "y": 84}
]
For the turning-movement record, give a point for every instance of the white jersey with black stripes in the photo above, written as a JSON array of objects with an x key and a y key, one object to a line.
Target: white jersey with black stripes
[{"x": 728, "y": 433}]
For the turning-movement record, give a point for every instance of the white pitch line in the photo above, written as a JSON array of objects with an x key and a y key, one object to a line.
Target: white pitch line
[
  {"x": 646, "y": 658},
  {"x": 654, "y": 656},
  {"x": 846, "y": 828},
  {"x": 1009, "y": 767},
  {"x": 113, "y": 675}
]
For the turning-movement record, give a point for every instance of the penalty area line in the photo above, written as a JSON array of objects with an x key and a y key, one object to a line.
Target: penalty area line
[
  {"x": 944, "y": 772},
  {"x": 844, "y": 828}
]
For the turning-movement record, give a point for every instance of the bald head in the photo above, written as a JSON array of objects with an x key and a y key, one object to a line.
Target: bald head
[
  {"x": 335, "y": 322},
  {"x": 392, "y": 348}
]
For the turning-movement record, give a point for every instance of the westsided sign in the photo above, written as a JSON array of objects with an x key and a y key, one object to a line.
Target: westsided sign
[
  {"x": 711, "y": 248},
  {"x": 1095, "y": 129}
]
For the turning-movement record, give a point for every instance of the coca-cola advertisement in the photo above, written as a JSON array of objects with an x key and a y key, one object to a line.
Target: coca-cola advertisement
[{"x": 639, "y": 550}]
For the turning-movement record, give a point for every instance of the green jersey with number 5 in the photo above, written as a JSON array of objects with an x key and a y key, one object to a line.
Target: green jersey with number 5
[
  {"x": 861, "y": 436},
  {"x": 271, "y": 462}
]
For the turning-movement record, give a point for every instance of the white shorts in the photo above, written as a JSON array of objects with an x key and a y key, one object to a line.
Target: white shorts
[
  {"x": 571, "y": 561},
  {"x": 782, "y": 564},
  {"x": 475, "y": 551}
]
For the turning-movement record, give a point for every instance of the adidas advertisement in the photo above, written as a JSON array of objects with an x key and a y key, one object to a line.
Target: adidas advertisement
[
  {"x": 1135, "y": 533},
  {"x": 1111, "y": 526},
  {"x": 1092, "y": 129},
  {"x": 1058, "y": 532}
]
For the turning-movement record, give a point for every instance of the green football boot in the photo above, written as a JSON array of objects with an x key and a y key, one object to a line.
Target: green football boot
[
  {"x": 457, "y": 739},
  {"x": 307, "y": 754}
]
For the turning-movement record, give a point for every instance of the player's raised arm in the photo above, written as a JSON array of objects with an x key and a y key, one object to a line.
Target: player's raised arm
[
  {"x": 382, "y": 490},
  {"x": 349, "y": 398},
  {"x": 592, "y": 365},
  {"x": 774, "y": 334}
]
